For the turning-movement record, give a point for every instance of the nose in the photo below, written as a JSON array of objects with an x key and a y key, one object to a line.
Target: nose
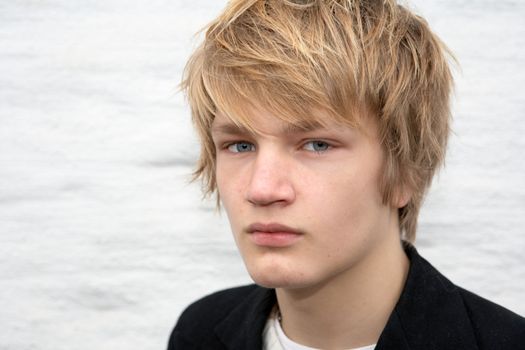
[{"x": 270, "y": 181}]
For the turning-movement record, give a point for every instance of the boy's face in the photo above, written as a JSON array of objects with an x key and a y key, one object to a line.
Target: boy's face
[{"x": 304, "y": 205}]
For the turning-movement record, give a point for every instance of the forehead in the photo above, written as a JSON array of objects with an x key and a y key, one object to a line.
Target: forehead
[
  {"x": 257, "y": 120},
  {"x": 263, "y": 123}
]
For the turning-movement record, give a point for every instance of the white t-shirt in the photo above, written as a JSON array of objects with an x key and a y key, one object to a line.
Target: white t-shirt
[{"x": 275, "y": 339}]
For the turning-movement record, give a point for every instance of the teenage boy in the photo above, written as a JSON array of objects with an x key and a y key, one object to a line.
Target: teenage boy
[{"x": 322, "y": 123}]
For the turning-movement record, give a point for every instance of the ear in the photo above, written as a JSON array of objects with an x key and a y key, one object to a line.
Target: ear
[{"x": 402, "y": 196}]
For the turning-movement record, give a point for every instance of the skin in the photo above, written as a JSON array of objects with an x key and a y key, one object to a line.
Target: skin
[{"x": 338, "y": 279}]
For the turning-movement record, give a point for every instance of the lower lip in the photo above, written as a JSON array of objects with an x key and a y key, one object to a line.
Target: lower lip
[{"x": 275, "y": 239}]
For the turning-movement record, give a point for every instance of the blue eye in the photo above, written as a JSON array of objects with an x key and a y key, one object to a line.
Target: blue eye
[
  {"x": 316, "y": 146},
  {"x": 239, "y": 147}
]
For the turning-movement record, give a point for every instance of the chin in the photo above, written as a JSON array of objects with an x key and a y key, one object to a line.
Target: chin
[
  {"x": 279, "y": 284},
  {"x": 271, "y": 282},
  {"x": 276, "y": 277},
  {"x": 279, "y": 268}
]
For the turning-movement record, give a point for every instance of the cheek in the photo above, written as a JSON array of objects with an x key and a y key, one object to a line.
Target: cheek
[
  {"x": 346, "y": 204},
  {"x": 224, "y": 177},
  {"x": 231, "y": 193}
]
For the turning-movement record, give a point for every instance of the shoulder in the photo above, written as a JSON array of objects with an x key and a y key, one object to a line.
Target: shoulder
[
  {"x": 214, "y": 307},
  {"x": 198, "y": 321},
  {"x": 435, "y": 313},
  {"x": 494, "y": 325}
]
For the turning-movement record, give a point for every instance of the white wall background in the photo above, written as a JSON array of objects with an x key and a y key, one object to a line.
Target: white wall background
[{"x": 102, "y": 240}]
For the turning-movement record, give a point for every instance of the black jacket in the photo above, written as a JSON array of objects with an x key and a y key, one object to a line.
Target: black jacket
[{"x": 432, "y": 313}]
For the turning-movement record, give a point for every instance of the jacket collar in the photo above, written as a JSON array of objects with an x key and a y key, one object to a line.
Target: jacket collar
[{"x": 430, "y": 314}]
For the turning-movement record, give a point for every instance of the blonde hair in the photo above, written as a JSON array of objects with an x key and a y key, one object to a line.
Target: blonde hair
[{"x": 292, "y": 57}]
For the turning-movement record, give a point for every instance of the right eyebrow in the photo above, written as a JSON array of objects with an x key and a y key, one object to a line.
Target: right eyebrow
[
  {"x": 229, "y": 129},
  {"x": 300, "y": 127}
]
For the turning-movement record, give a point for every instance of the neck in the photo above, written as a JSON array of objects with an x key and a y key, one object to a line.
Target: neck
[{"x": 351, "y": 309}]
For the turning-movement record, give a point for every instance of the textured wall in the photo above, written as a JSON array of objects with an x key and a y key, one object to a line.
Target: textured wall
[{"x": 102, "y": 240}]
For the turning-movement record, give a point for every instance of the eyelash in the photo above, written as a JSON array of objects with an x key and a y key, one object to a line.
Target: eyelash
[
  {"x": 313, "y": 142},
  {"x": 227, "y": 146}
]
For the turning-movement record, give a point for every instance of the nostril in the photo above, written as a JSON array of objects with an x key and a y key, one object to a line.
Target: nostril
[{"x": 264, "y": 192}]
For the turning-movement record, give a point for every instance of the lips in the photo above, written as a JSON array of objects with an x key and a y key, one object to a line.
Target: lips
[
  {"x": 271, "y": 228},
  {"x": 273, "y": 235}
]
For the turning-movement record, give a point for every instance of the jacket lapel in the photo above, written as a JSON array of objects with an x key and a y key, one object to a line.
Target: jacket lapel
[{"x": 242, "y": 329}]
